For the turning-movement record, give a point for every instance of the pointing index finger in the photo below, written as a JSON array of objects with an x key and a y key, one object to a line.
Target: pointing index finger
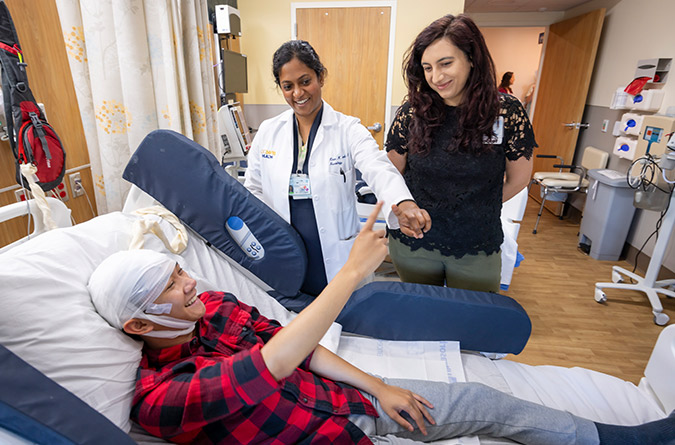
[{"x": 370, "y": 222}]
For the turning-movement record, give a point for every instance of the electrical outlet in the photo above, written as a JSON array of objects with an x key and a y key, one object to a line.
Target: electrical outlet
[
  {"x": 76, "y": 186},
  {"x": 21, "y": 195},
  {"x": 61, "y": 192}
]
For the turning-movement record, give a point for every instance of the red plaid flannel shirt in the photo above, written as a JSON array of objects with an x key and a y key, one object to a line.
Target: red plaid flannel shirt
[{"x": 217, "y": 389}]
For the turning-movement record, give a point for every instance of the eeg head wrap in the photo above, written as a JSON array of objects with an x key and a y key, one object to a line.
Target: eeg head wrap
[{"x": 125, "y": 286}]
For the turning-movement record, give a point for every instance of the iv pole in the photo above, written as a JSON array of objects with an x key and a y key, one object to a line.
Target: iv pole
[{"x": 649, "y": 285}]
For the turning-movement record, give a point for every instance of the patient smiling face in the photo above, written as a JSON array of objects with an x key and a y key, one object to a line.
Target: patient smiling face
[{"x": 181, "y": 292}]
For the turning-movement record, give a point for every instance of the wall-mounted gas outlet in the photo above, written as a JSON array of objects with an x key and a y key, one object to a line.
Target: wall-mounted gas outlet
[
  {"x": 22, "y": 195},
  {"x": 76, "y": 186},
  {"x": 61, "y": 192}
]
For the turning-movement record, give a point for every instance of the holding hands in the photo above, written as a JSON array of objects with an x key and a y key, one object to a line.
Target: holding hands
[{"x": 414, "y": 221}]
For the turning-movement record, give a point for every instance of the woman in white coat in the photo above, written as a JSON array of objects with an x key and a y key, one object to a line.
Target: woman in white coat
[{"x": 303, "y": 164}]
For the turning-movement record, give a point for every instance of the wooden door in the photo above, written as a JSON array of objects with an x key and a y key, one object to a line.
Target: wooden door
[
  {"x": 353, "y": 44},
  {"x": 563, "y": 86}
]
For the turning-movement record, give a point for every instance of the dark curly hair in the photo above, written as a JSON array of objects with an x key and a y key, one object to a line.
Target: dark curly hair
[
  {"x": 480, "y": 103},
  {"x": 301, "y": 50}
]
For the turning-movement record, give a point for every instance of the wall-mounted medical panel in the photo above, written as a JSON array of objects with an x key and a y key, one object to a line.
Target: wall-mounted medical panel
[
  {"x": 625, "y": 147},
  {"x": 631, "y": 123},
  {"x": 654, "y": 135},
  {"x": 656, "y": 69}
]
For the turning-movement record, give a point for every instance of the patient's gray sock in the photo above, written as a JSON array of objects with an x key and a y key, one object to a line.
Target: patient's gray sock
[{"x": 659, "y": 432}]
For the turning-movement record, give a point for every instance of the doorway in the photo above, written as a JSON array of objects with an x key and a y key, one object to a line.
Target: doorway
[{"x": 355, "y": 43}]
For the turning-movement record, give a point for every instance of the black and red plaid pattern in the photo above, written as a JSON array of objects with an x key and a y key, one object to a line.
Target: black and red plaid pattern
[{"x": 217, "y": 389}]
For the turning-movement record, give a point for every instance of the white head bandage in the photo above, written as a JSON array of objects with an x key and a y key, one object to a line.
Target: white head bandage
[{"x": 125, "y": 286}]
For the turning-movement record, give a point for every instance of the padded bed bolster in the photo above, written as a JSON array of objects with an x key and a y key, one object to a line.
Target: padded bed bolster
[
  {"x": 36, "y": 408},
  {"x": 188, "y": 180},
  {"x": 480, "y": 321}
]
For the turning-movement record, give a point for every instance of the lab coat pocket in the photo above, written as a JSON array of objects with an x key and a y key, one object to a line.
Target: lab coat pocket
[
  {"x": 348, "y": 226},
  {"x": 343, "y": 203}
]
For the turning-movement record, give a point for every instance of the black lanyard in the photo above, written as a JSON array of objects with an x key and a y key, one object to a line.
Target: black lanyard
[{"x": 310, "y": 141}]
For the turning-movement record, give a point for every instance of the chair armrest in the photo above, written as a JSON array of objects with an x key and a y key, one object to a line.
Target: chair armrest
[
  {"x": 553, "y": 157},
  {"x": 582, "y": 175}
]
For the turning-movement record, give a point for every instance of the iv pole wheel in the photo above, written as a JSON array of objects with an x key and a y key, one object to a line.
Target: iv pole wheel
[
  {"x": 661, "y": 319},
  {"x": 616, "y": 277},
  {"x": 600, "y": 296}
]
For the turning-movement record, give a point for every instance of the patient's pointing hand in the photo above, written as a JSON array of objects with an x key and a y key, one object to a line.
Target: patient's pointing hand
[{"x": 370, "y": 246}]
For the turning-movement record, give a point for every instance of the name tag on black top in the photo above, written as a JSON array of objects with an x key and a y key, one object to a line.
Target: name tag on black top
[{"x": 497, "y": 132}]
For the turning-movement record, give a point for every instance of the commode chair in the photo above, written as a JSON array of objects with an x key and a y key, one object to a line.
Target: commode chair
[{"x": 556, "y": 186}]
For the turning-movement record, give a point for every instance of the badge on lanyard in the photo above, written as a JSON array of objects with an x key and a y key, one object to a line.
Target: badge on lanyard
[
  {"x": 497, "y": 132},
  {"x": 299, "y": 187}
]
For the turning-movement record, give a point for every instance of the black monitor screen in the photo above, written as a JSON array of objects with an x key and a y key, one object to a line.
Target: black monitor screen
[{"x": 234, "y": 72}]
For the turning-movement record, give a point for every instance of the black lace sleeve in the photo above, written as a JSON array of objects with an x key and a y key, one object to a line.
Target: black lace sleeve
[
  {"x": 397, "y": 138},
  {"x": 518, "y": 133}
]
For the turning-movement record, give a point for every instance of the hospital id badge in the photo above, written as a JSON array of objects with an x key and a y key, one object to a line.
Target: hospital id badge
[
  {"x": 497, "y": 132},
  {"x": 299, "y": 186}
]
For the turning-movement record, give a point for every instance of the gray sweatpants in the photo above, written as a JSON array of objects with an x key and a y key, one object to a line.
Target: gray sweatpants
[{"x": 468, "y": 409}]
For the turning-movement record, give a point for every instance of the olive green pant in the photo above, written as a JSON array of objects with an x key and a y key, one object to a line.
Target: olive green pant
[{"x": 479, "y": 272}]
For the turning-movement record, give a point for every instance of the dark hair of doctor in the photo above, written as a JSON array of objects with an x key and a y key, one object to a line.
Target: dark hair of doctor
[
  {"x": 480, "y": 106},
  {"x": 300, "y": 50}
]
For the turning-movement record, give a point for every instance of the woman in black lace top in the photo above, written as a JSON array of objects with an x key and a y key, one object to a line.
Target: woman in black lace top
[{"x": 463, "y": 149}]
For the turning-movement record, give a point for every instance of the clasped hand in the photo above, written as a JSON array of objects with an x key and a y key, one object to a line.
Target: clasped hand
[{"x": 413, "y": 221}]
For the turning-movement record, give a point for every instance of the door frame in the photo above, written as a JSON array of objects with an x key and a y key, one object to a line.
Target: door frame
[{"x": 392, "y": 33}]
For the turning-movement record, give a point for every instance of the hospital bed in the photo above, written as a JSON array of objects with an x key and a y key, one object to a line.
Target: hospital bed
[{"x": 48, "y": 321}]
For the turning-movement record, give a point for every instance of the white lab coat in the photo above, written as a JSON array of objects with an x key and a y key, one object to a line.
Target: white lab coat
[{"x": 341, "y": 145}]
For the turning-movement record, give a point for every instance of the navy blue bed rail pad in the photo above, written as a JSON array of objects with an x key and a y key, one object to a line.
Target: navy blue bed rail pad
[
  {"x": 37, "y": 409},
  {"x": 391, "y": 310},
  {"x": 188, "y": 180}
]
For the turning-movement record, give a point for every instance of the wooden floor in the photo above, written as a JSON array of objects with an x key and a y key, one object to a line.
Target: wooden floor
[{"x": 555, "y": 284}]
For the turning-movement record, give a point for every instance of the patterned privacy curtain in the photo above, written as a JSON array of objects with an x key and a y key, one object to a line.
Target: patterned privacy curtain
[{"x": 138, "y": 66}]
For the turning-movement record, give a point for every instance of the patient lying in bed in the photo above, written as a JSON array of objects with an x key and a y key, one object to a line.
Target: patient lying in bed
[{"x": 215, "y": 370}]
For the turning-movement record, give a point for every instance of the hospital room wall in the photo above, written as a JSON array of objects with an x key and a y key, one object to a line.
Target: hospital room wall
[
  {"x": 39, "y": 32},
  {"x": 266, "y": 25},
  {"x": 515, "y": 49},
  {"x": 631, "y": 31}
]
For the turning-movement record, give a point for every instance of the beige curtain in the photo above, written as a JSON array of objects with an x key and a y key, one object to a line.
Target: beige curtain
[{"x": 138, "y": 66}]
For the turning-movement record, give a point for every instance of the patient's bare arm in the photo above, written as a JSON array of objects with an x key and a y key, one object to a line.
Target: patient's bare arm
[{"x": 290, "y": 346}]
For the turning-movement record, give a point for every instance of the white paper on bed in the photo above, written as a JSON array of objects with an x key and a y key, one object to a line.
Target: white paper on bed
[{"x": 438, "y": 361}]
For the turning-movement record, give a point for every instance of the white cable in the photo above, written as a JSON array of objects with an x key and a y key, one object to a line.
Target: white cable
[
  {"x": 663, "y": 173},
  {"x": 91, "y": 207},
  {"x": 23, "y": 187}
]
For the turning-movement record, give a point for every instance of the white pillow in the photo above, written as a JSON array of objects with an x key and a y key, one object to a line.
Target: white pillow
[{"x": 47, "y": 318}]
